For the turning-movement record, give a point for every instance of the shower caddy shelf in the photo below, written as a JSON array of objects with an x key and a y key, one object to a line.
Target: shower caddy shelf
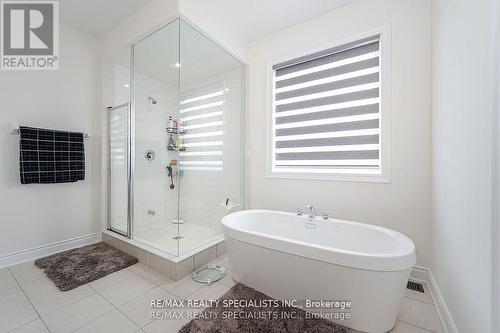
[
  {"x": 175, "y": 149},
  {"x": 175, "y": 131}
]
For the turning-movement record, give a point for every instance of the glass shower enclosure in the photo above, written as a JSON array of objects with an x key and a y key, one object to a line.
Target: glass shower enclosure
[{"x": 177, "y": 147}]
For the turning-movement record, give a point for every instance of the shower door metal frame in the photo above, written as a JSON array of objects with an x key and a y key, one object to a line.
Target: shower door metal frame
[
  {"x": 131, "y": 144},
  {"x": 130, "y": 147},
  {"x": 127, "y": 233}
]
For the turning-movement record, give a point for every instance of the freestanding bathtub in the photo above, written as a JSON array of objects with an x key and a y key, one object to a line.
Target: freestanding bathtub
[{"x": 292, "y": 257}]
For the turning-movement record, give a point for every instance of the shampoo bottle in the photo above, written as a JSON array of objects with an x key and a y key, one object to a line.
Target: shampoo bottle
[
  {"x": 171, "y": 143},
  {"x": 170, "y": 124}
]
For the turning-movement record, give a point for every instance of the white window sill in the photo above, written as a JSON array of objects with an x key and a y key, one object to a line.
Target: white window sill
[{"x": 368, "y": 178}]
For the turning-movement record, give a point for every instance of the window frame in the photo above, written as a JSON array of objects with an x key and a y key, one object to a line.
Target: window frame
[{"x": 385, "y": 107}]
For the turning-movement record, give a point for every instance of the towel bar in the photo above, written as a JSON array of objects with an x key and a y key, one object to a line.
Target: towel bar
[{"x": 15, "y": 131}]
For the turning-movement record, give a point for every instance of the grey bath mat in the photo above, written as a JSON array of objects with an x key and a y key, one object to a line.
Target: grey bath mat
[
  {"x": 73, "y": 268},
  {"x": 223, "y": 324}
]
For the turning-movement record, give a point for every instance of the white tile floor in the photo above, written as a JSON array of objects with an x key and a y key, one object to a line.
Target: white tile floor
[{"x": 120, "y": 302}]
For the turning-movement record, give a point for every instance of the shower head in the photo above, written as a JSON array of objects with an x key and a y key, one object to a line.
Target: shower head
[{"x": 152, "y": 100}]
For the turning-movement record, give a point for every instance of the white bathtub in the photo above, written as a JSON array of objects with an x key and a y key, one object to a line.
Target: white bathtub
[{"x": 294, "y": 257}]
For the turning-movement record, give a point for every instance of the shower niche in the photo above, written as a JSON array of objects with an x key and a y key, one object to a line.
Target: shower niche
[{"x": 186, "y": 141}]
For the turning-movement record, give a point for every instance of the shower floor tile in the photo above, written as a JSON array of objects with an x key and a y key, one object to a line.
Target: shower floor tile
[{"x": 162, "y": 237}]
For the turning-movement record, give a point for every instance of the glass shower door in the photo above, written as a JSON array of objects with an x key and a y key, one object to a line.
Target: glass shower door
[
  {"x": 212, "y": 159},
  {"x": 188, "y": 138},
  {"x": 118, "y": 169},
  {"x": 155, "y": 105}
]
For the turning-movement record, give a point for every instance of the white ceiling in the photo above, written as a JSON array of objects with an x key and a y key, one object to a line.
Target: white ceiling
[
  {"x": 250, "y": 20},
  {"x": 97, "y": 17}
]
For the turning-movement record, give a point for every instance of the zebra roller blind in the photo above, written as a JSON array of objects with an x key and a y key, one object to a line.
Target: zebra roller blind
[
  {"x": 202, "y": 114},
  {"x": 326, "y": 111}
]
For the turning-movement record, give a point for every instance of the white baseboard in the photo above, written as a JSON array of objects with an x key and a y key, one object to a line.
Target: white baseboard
[
  {"x": 424, "y": 274},
  {"x": 420, "y": 273},
  {"x": 19, "y": 257}
]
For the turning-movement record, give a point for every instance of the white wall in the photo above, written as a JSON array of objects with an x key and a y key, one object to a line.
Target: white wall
[
  {"x": 195, "y": 12},
  {"x": 404, "y": 204},
  {"x": 154, "y": 14},
  {"x": 35, "y": 215},
  {"x": 462, "y": 165}
]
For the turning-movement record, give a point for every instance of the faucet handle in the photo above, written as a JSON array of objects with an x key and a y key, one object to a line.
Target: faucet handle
[
  {"x": 325, "y": 215},
  {"x": 299, "y": 211}
]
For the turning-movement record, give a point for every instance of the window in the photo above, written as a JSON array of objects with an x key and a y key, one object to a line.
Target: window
[
  {"x": 202, "y": 116},
  {"x": 326, "y": 117}
]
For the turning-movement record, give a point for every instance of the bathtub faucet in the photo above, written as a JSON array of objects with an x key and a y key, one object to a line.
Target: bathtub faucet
[{"x": 311, "y": 211}]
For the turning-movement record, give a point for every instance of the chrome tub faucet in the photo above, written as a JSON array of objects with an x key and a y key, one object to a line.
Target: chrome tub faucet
[{"x": 311, "y": 211}]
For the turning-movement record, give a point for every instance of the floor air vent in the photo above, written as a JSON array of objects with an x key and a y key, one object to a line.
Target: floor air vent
[{"x": 415, "y": 286}]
